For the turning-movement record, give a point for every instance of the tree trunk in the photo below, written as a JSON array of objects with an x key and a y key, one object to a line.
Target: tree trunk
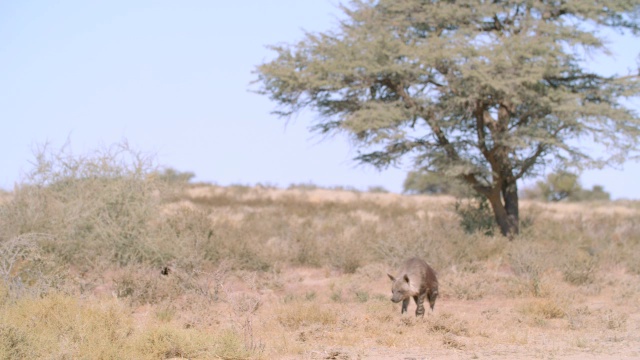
[
  {"x": 510, "y": 196},
  {"x": 506, "y": 214}
]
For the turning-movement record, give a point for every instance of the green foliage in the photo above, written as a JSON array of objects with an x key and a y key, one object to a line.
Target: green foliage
[
  {"x": 560, "y": 186},
  {"x": 488, "y": 92},
  {"x": 362, "y": 296},
  {"x": 173, "y": 176},
  {"x": 433, "y": 183},
  {"x": 377, "y": 189},
  {"x": 596, "y": 193},
  {"x": 476, "y": 216},
  {"x": 564, "y": 185}
]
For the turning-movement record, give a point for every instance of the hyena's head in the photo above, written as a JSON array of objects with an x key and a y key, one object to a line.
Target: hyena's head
[{"x": 400, "y": 288}]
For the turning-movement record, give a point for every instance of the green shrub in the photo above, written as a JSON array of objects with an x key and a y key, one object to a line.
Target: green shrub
[{"x": 476, "y": 215}]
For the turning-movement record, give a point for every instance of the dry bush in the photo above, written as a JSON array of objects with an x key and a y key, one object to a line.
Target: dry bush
[
  {"x": 188, "y": 233},
  {"x": 166, "y": 342},
  {"x": 579, "y": 317},
  {"x": 613, "y": 320},
  {"x": 467, "y": 285},
  {"x": 543, "y": 309},
  {"x": 447, "y": 323},
  {"x": 141, "y": 285},
  {"x": 412, "y": 236},
  {"x": 297, "y": 314},
  {"x": 257, "y": 231},
  {"x": 25, "y": 270},
  {"x": 529, "y": 261},
  {"x": 100, "y": 206},
  {"x": 469, "y": 251},
  {"x": 58, "y": 326},
  {"x": 14, "y": 343},
  {"x": 580, "y": 268}
]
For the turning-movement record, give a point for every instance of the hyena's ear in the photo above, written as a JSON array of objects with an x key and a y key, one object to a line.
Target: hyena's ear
[
  {"x": 406, "y": 278},
  {"x": 391, "y": 277}
]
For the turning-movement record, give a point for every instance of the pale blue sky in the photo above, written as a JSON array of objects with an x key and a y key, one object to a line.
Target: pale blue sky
[{"x": 172, "y": 77}]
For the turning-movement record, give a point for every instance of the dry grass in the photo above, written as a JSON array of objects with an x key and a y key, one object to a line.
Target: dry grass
[{"x": 125, "y": 267}]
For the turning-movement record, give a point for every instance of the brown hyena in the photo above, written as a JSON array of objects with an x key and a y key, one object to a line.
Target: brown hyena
[{"x": 415, "y": 279}]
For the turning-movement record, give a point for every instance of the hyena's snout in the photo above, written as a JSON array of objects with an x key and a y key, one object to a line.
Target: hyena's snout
[{"x": 396, "y": 298}]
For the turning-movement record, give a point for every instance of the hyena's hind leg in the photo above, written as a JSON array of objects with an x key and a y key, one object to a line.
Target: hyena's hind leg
[
  {"x": 431, "y": 296},
  {"x": 419, "y": 299}
]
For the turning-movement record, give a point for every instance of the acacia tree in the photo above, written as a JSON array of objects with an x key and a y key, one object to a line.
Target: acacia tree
[{"x": 484, "y": 91}]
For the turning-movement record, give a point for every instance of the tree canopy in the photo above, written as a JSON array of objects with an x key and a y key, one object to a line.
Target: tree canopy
[
  {"x": 422, "y": 182},
  {"x": 487, "y": 92}
]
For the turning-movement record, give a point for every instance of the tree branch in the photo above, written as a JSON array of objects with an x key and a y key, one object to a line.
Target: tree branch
[
  {"x": 530, "y": 161},
  {"x": 482, "y": 145}
]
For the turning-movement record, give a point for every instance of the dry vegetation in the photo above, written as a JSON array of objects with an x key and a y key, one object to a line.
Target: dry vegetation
[{"x": 126, "y": 266}]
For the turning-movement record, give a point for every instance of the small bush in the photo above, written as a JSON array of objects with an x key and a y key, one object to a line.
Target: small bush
[
  {"x": 362, "y": 296},
  {"x": 58, "y": 326},
  {"x": 165, "y": 342},
  {"x": 336, "y": 295},
  {"x": 24, "y": 269},
  {"x": 447, "y": 323},
  {"x": 173, "y": 176},
  {"x": 580, "y": 269},
  {"x": 310, "y": 296},
  {"x": 614, "y": 320},
  {"x": 530, "y": 261},
  {"x": 141, "y": 285},
  {"x": 14, "y": 343},
  {"x": 231, "y": 345},
  {"x": 346, "y": 256},
  {"x": 468, "y": 286},
  {"x": 476, "y": 216},
  {"x": 377, "y": 189},
  {"x": 543, "y": 309},
  {"x": 299, "y": 314}
]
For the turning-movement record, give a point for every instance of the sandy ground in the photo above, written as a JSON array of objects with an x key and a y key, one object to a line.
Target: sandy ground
[
  {"x": 502, "y": 339},
  {"x": 592, "y": 326}
]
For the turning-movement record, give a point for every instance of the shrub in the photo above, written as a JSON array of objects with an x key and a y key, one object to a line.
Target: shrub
[
  {"x": 580, "y": 269},
  {"x": 165, "y": 342},
  {"x": 58, "y": 326},
  {"x": 564, "y": 185},
  {"x": 173, "y": 176},
  {"x": 476, "y": 215},
  {"x": 85, "y": 208},
  {"x": 24, "y": 269},
  {"x": 377, "y": 189},
  {"x": 299, "y": 314}
]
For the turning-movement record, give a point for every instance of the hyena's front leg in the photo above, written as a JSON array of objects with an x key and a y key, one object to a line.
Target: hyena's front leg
[
  {"x": 405, "y": 305},
  {"x": 431, "y": 296},
  {"x": 420, "y": 302}
]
